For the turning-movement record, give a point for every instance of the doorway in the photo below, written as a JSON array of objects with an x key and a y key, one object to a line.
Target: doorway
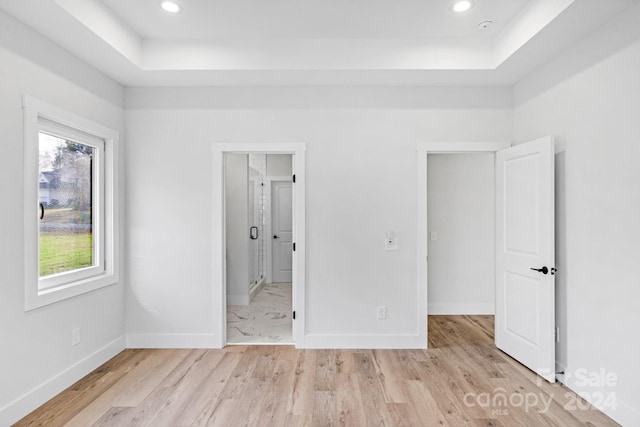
[
  {"x": 461, "y": 238},
  {"x": 259, "y": 306},
  {"x": 524, "y": 308},
  {"x": 249, "y": 306},
  {"x": 424, "y": 233}
]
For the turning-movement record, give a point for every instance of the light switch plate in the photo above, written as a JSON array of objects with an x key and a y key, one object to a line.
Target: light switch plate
[{"x": 75, "y": 336}]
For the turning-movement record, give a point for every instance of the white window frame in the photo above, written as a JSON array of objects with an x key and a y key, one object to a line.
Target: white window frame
[{"x": 42, "y": 117}]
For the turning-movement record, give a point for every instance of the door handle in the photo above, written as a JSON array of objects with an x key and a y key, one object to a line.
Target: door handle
[
  {"x": 543, "y": 270},
  {"x": 276, "y": 237},
  {"x": 41, "y": 211},
  {"x": 253, "y": 233}
]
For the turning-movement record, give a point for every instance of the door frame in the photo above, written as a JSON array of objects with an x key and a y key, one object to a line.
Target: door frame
[
  {"x": 219, "y": 289},
  {"x": 424, "y": 149}
]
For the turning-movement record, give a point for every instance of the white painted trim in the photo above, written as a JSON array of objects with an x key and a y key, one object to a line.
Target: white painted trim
[
  {"x": 238, "y": 299},
  {"x": 461, "y": 309},
  {"x": 262, "y": 343},
  {"x": 171, "y": 341},
  {"x": 218, "y": 239},
  {"x": 421, "y": 287},
  {"x": 28, "y": 402},
  {"x": 219, "y": 277},
  {"x": 624, "y": 414},
  {"x": 423, "y": 272},
  {"x": 34, "y": 110},
  {"x": 299, "y": 273},
  {"x": 261, "y": 148},
  {"x": 409, "y": 341},
  {"x": 462, "y": 147},
  {"x": 255, "y": 290}
]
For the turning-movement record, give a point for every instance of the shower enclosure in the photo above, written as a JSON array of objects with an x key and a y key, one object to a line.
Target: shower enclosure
[{"x": 257, "y": 241}]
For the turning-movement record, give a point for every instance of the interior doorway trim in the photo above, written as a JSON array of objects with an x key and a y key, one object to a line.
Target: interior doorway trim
[
  {"x": 424, "y": 149},
  {"x": 218, "y": 234}
]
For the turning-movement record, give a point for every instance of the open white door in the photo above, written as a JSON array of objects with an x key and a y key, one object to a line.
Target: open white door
[{"x": 525, "y": 255}]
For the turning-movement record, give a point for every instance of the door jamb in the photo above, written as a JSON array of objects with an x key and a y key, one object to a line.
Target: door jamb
[
  {"x": 424, "y": 149},
  {"x": 219, "y": 298}
]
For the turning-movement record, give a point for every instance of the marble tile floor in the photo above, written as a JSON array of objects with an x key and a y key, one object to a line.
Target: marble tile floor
[{"x": 266, "y": 320}]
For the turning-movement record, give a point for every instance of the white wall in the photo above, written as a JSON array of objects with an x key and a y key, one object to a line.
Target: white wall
[
  {"x": 237, "y": 228},
  {"x": 460, "y": 209},
  {"x": 361, "y": 181},
  {"x": 279, "y": 165},
  {"x": 590, "y": 101},
  {"x": 37, "y": 360},
  {"x": 361, "y": 141}
]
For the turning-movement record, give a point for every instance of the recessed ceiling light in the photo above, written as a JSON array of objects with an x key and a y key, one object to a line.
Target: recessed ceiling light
[
  {"x": 170, "y": 6},
  {"x": 462, "y": 6}
]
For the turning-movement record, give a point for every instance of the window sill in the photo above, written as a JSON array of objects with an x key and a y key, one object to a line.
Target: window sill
[{"x": 40, "y": 298}]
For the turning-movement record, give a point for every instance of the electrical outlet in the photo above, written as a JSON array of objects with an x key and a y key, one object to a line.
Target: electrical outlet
[
  {"x": 381, "y": 313},
  {"x": 75, "y": 336}
]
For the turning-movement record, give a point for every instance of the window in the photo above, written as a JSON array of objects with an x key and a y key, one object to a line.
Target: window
[{"x": 69, "y": 184}]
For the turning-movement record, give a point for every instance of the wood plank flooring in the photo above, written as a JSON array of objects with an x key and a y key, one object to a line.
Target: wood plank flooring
[{"x": 459, "y": 381}]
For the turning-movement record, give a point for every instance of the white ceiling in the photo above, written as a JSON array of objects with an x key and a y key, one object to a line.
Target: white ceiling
[
  {"x": 224, "y": 19},
  {"x": 315, "y": 42}
]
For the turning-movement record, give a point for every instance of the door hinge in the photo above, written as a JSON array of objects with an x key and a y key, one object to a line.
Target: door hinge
[
  {"x": 294, "y": 315},
  {"x": 294, "y": 247},
  {"x": 294, "y": 178}
]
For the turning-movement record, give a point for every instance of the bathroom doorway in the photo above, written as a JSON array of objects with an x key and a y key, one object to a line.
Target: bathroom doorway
[{"x": 258, "y": 226}]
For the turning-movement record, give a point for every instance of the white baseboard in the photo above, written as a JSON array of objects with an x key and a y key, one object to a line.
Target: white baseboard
[
  {"x": 460, "y": 309},
  {"x": 171, "y": 341},
  {"x": 365, "y": 341},
  {"x": 50, "y": 388},
  {"x": 237, "y": 299},
  {"x": 256, "y": 289},
  {"x": 626, "y": 415},
  {"x": 623, "y": 413}
]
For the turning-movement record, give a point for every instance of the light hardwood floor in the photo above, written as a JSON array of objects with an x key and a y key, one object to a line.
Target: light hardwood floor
[{"x": 447, "y": 385}]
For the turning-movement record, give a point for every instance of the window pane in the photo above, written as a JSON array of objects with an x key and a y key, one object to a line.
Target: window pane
[{"x": 65, "y": 193}]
